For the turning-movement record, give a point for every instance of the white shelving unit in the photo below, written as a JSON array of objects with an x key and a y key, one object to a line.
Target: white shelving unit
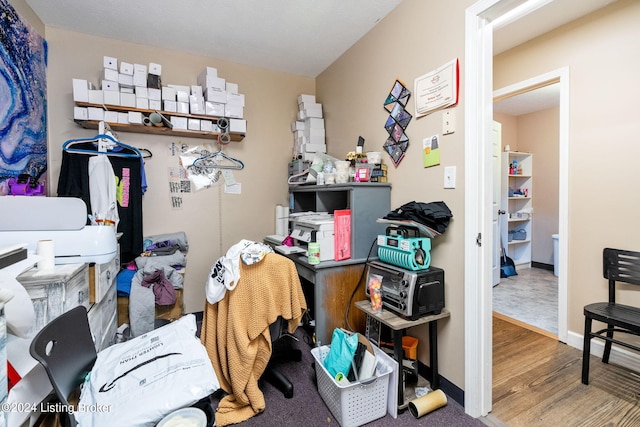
[{"x": 517, "y": 202}]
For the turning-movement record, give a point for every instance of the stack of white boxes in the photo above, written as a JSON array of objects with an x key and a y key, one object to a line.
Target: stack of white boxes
[
  {"x": 140, "y": 87},
  {"x": 308, "y": 129}
]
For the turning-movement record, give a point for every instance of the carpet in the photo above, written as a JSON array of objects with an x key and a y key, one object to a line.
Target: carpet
[{"x": 307, "y": 408}]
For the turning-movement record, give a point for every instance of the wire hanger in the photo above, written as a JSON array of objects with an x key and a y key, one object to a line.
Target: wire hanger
[
  {"x": 215, "y": 161},
  {"x": 134, "y": 152}
]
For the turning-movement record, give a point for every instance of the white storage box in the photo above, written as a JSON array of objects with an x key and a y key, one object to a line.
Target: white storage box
[{"x": 356, "y": 403}]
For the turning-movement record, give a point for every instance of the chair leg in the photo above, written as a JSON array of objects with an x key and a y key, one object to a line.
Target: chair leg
[
  {"x": 607, "y": 345},
  {"x": 279, "y": 381},
  {"x": 586, "y": 350}
]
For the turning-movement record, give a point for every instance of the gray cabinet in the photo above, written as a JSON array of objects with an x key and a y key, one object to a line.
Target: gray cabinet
[{"x": 367, "y": 202}]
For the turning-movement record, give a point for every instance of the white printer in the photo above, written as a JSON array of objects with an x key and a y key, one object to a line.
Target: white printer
[
  {"x": 315, "y": 228},
  {"x": 27, "y": 220}
]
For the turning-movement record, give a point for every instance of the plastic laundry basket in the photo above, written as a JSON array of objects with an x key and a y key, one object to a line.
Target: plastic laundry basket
[{"x": 356, "y": 403}]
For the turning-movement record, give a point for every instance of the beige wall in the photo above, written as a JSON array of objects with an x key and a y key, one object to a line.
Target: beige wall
[
  {"x": 537, "y": 133},
  {"x": 406, "y": 44},
  {"x": 212, "y": 220},
  {"x": 600, "y": 51}
]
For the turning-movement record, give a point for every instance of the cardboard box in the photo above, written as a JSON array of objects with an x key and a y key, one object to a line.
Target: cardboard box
[
  {"x": 80, "y": 90},
  {"x": 125, "y": 80},
  {"x": 155, "y": 69},
  {"x": 231, "y": 87},
  {"x": 298, "y": 125},
  {"x": 211, "y": 81},
  {"x": 111, "y": 116},
  {"x": 206, "y": 125},
  {"x": 110, "y": 62},
  {"x": 179, "y": 123},
  {"x": 142, "y": 92},
  {"x": 154, "y": 94},
  {"x": 155, "y": 104},
  {"x": 96, "y": 97},
  {"x": 196, "y": 104},
  {"x": 182, "y": 107},
  {"x": 80, "y": 113},
  {"x": 237, "y": 125},
  {"x": 128, "y": 100},
  {"x": 126, "y": 89},
  {"x": 196, "y": 90},
  {"x": 313, "y": 112},
  {"x": 314, "y": 133},
  {"x": 313, "y": 148},
  {"x": 110, "y": 74},
  {"x": 140, "y": 79},
  {"x": 142, "y": 103},
  {"x": 235, "y": 99},
  {"x": 123, "y": 118},
  {"x": 193, "y": 124},
  {"x": 95, "y": 113},
  {"x": 110, "y": 85},
  {"x": 214, "y": 109},
  {"x": 126, "y": 68},
  {"x": 208, "y": 71},
  {"x": 170, "y": 106},
  {"x": 306, "y": 98},
  {"x": 139, "y": 68},
  {"x": 215, "y": 95},
  {"x": 233, "y": 111},
  {"x": 168, "y": 93},
  {"x": 314, "y": 123},
  {"x": 135, "y": 117}
]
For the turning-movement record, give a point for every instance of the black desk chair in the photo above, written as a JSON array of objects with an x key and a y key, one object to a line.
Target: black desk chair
[
  {"x": 65, "y": 349},
  {"x": 618, "y": 266},
  {"x": 281, "y": 351}
]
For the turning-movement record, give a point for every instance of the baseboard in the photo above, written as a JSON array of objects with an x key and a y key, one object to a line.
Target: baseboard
[
  {"x": 619, "y": 356},
  {"x": 449, "y": 388},
  {"x": 541, "y": 265}
]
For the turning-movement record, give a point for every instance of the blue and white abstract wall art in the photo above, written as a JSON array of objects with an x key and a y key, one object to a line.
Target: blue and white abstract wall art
[{"x": 23, "y": 103}]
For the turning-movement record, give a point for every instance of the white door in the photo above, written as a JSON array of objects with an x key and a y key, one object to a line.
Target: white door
[{"x": 497, "y": 195}]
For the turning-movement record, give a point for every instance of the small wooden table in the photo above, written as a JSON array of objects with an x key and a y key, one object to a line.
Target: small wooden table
[{"x": 398, "y": 325}]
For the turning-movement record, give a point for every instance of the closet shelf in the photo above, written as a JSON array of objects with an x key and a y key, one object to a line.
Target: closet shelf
[{"x": 93, "y": 124}]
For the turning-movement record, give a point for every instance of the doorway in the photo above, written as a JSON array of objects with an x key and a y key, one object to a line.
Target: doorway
[
  {"x": 529, "y": 122},
  {"x": 479, "y": 239}
]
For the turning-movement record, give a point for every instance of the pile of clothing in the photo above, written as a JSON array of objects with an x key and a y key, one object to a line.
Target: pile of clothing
[{"x": 152, "y": 279}]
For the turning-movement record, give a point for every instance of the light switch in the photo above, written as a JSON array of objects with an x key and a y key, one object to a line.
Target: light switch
[
  {"x": 448, "y": 122},
  {"x": 450, "y": 177}
]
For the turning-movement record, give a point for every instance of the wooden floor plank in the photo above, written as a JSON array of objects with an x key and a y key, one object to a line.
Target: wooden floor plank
[{"x": 536, "y": 382}]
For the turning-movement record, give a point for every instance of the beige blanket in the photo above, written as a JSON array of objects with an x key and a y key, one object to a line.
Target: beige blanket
[{"x": 235, "y": 332}]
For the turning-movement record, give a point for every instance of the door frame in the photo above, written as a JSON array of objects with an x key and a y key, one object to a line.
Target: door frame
[{"x": 478, "y": 233}]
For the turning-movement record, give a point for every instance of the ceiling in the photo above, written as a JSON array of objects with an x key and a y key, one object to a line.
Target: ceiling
[
  {"x": 541, "y": 21},
  {"x": 301, "y": 37}
]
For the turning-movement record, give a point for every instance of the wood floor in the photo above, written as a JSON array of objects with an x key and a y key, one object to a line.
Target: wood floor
[{"x": 536, "y": 382}]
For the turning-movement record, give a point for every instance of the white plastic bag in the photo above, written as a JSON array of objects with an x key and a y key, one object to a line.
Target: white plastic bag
[{"x": 139, "y": 381}]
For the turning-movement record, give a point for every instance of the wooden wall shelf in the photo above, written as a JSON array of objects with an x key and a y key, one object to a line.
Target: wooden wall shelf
[{"x": 155, "y": 130}]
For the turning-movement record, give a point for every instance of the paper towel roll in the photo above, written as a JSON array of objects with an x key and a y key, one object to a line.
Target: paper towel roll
[
  {"x": 427, "y": 403},
  {"x": 282, "y": 220},
  {"x": 47, "y": 256}
]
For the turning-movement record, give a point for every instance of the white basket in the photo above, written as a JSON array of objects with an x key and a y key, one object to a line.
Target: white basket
[{"x": 356, "y": 403}]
